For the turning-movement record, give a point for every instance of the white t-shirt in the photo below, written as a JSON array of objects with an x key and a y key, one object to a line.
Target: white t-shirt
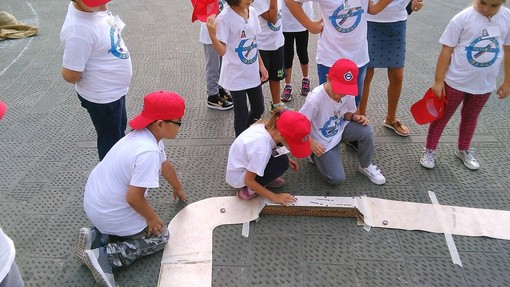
[
  {"x": 345, "y": 31},
  {"x": 270, "y": 37},
  {"x": 478, "y": 42},
  {"x": 251, "y": 150},
  {"x": 204, "y": 33},
  {"x": 290, "y": 24},
  {"x": 7, "y": 253},
  {"x": 394, "y": 12},
  {"x": 134, "y": 160},
  {"x": 240, "y": 64},
  {"x": 93, "y": 45},
  {"x": 327, "y": 116}
]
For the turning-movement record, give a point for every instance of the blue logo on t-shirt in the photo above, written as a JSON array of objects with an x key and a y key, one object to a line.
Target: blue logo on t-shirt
[
  {"x": 118, "y": 48},
  {"x": 481, "y": 46},
  {"x": 272, "y": 26},
  {"x": 337, "y": 19},
  {"x": 330, "y": 128},
  {"x": 245, "y": 52}
]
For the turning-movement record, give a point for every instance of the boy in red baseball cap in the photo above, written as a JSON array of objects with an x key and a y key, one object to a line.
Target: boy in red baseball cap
[
  {"x": 126, "y": 226},
  {"x": 97, "y": 62},
  {"x": 331, "y": 109}
]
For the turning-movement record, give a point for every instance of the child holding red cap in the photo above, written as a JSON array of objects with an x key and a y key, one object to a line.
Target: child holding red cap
[
  {"x": 126, "y": 227},
  {"x": 256, "y": 160},
  {"x": 98, "y": 63},
  {"x": 475, "y": 42},
  {"x": 332, "y": 111}
]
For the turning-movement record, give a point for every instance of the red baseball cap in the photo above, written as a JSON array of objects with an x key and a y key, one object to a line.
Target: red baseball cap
[
  {"x": 428, "y": 109},
  {"x": 159, "y": 106},
  {"x": 295, "y": 129},
  {"x": 344, "y": 77},
  {"x": 3, "y": 108},
  {"x": 94, "y": 3}
]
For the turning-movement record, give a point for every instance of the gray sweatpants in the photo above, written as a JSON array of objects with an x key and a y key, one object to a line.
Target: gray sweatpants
[
  {"x": 212, "y": 69},
  {"x": 330, "y": 163}
]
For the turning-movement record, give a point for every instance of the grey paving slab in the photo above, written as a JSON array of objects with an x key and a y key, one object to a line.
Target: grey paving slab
[{"x": 47, "y": 149}]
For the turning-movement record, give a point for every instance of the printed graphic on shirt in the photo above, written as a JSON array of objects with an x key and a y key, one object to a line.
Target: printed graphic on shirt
[
  {"x": 118, "y": 48},
  {"x": 484, "y": 50},
  {"x": 330, "y": 128},
  {"x": 222, "y": 5},
  {"x": 272, "y": 26},
  {"x": 346, "y": 18},
  {"x": 247, "y": 51}
]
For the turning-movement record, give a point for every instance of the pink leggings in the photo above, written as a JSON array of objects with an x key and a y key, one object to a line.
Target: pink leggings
[{"x": 471, "y": 108}]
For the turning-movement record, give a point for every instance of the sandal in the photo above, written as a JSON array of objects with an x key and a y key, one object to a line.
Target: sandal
[{"x": 398, "y": 128}]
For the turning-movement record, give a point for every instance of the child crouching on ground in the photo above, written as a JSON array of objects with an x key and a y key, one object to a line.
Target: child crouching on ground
[
  {"x": 332, "y": 110},
  {"x": 255, "y": 160},
  {"x": 126, "y": 225}
]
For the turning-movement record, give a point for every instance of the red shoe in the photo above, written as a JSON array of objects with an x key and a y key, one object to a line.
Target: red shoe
[{"x": 246, "y": 193}]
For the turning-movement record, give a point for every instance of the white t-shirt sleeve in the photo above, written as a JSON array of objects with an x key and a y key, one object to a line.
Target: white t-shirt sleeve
[
  {"x": 77, "y": 51},
  {"x": 258, "y": 159},
  {"x": 146, "y": 170},
  {"x": 261, "y": 6},
  {"x": 451, "y": 34}
]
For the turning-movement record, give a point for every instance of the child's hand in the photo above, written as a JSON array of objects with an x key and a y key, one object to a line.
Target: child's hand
[
  {"x": 417, "y": 5},
  {"x": 179, "y": 194},
  {"x": 360, "y": 119},
  {"x": 317, "y": 148},
  {"x": 438, "y": 89},
  {"x": 293, "y": 164},
  {"x": 503, "y": 90},
  {"x": 316, "y": 27},
  {"x": 264, "y": 75},
  {"x": 211, "y": 24},
  {"x": 284, "y": 198},
  {"x": 154, "y": 226}
]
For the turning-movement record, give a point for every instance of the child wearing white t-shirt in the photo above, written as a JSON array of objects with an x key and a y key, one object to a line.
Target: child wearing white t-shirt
[
  {"x": 257, "y": 159},
  {"x": 217, "y": 97},
  {"x": 270, "y": 43},
  {"x": 232, "y": 35},
  {"x": 331, "y": 109},
  {"x": 474, "y": 43},
  {"x": 126, "y": 226},
  {"x": 343, "y": 33}
]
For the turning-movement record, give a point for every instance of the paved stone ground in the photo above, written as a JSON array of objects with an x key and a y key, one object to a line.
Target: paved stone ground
[{"x": 47, "y": 149}]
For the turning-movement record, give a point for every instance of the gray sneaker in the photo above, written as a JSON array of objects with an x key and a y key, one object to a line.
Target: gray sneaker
[
  {"x": 427, "y": 159},
  {"x": 97, "y": 261},
  {"x": 89, "y": 238},
  {"x": 468, "y": 159}
]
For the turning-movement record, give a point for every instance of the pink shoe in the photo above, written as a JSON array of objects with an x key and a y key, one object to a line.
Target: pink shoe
[
  {"x": 246, "y": 193},
  {"x": 278, "y": 182}
]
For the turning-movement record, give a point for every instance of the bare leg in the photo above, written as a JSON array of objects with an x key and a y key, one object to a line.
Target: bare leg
[
  {"x": 304, "y": 70},
  {"x": 274, "y": 86},
  {"x": 395, "y": 77},
  {"x": 362, "y": 109},
  {"x": 288, "y": 78}
]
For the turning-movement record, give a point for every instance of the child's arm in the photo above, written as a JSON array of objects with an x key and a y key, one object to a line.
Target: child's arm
[
  {"x": 315, "y": 27},
  {"x": 443, "y": 61},
  {"x": 271, "y": 15},
  {"x": 168, "y": 171},
  {"x": 378, "y": 7},
  {"x": 264, "y": 74},
  {"x": 281, "y": 198},
  {"x": 136, "y": 199},
  {"x": 220, "y": 47},
  {"x": 504, "y": 90},
  {"x": 317, "y": 148},
  {"x": 70, "y": 76}
]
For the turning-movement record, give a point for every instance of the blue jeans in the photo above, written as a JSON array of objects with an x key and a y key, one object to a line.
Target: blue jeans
[
  {"x": 109, "y": 120},
  {"x": 243, "y": 117},
  {"x": 330, "y": 163},
  {"x": 322, "y": 71},
  {"x": 274, "y": 168}
]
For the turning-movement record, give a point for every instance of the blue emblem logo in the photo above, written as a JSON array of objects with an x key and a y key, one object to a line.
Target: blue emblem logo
[
  {"x": 118, "y": 48},
  {"x": 338, "y": 20},
  {"x": 483, "y": 52},
  {"x": 244, "y": 51}
]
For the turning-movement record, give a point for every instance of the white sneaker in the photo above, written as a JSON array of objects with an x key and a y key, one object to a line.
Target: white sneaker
[
  {"x": 427, "y": 159},
  {"x": 468, "y": 159},
  {"x": 373, "y": 173}
]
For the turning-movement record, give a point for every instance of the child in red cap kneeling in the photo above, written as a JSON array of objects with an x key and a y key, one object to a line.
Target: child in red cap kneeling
[
  {"x": 331, "y": 109},
  {"x": 126, "y": 227},
  {"x": 257, "y": 159}
]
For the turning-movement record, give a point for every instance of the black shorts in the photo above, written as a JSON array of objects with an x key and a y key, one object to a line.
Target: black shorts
[{"x": 273, "y": 60}]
